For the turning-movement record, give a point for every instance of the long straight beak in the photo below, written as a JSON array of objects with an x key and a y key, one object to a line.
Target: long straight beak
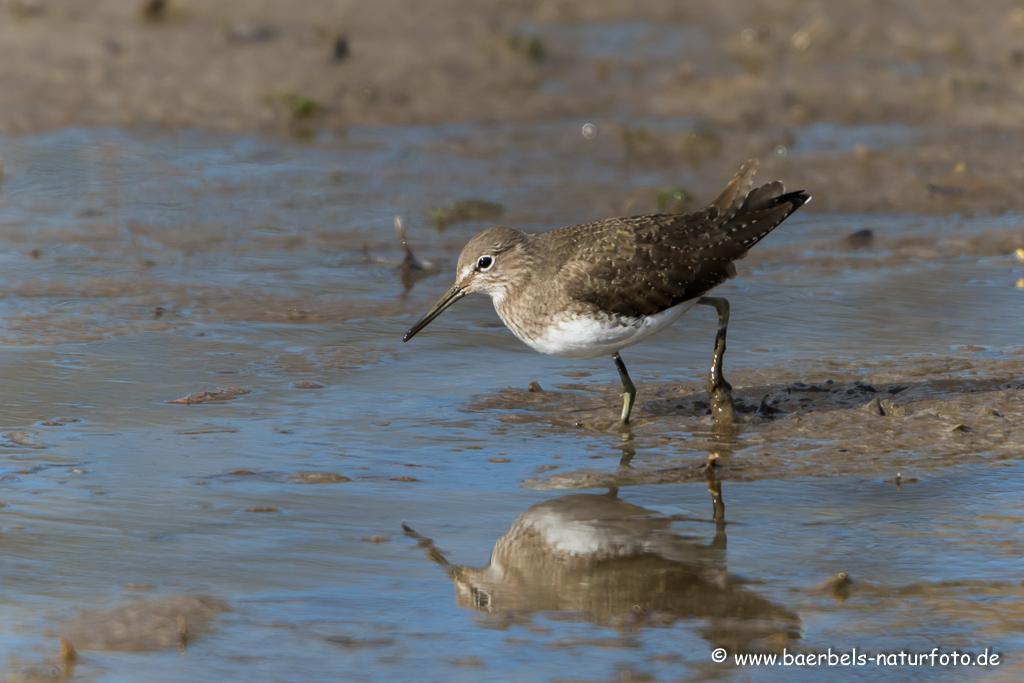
[{"x": 450, "y": 297}]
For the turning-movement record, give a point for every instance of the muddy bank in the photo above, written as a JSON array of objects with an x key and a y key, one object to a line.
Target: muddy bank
[
  {"x": 927, "y": 98},
  {"x": 913, "y": 414},
  {"x": 257, "y": 65}
]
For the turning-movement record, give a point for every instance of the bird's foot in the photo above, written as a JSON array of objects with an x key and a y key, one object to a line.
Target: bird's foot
[{"x": 723, "y": 413}]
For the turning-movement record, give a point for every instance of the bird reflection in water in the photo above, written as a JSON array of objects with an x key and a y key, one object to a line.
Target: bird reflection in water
[{"x": 618, "y": 564}]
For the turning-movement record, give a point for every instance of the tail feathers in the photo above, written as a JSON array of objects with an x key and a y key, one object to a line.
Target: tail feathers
[
  {"x": 762, "y": 195},
  {"x": 762, "y": 211},
  {"x": 734, "y": 194},
  {"x": 738, "y": 198}
]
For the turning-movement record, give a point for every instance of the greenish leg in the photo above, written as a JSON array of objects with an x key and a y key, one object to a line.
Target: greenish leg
[
  {"x": 627, "y": 385},
  {"x": 723, "y": 415}
]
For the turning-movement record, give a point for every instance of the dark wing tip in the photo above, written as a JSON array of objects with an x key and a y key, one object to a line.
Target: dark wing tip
[{"x": 797, "y": 198}]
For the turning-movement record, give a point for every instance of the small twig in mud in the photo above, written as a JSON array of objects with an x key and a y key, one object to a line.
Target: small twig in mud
[
  {"x": 412, "y": 268},
  {"x": 410, "y": 262}
]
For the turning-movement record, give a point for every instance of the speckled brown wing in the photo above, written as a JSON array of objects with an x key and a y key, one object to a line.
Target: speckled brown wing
[{"x": 646, "y": 264}]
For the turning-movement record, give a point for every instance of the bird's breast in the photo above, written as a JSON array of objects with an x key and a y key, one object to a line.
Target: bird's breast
[{"x": 582, "y": 334}]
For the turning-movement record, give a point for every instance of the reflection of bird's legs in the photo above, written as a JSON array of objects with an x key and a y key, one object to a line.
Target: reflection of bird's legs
[
  {"x": 723, "y": 415},
  {"x": 717, "y": 503},
  {"x": 715, "y": 489},
  {"x": 627, "y": 450}
]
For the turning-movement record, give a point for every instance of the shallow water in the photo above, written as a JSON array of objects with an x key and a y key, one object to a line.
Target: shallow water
[{"x": 144, "y": 267}]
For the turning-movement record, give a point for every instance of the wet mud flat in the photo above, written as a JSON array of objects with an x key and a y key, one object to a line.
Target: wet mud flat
[{"x": 220, "y": 461}]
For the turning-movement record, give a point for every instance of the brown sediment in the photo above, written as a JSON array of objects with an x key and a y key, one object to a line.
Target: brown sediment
[
  {"x": 311, "y": 478},
  {"x": 212, "y": 396},
  {"x": 122, "y": 307},
  {"x": 307, "y": 385},
  {"x": 19, "y": 440},
  {"x": 145, "y": 624},
  {"x": 406, "y": 63},
  {"x": 324, "y": 359},
  {"x": 319, "y": 478}
]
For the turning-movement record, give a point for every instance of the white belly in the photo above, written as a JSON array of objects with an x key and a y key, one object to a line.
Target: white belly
[{"x": 582, "y": 337}]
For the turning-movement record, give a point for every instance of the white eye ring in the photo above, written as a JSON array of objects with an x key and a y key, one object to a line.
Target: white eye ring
[{"x": 485, "y": 263}]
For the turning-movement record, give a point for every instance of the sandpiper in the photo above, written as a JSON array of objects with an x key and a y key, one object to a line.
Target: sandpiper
[{"x": 592, "y": 290}]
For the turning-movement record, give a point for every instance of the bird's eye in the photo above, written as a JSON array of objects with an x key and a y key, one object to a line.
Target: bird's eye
[{"x": 485, "y": 263}]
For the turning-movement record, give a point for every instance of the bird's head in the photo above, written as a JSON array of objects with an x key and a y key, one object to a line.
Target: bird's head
[{"x": 488, "y": 263}]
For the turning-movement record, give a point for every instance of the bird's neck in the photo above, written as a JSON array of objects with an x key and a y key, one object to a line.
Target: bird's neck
[{"x": 521, "y": 284}]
